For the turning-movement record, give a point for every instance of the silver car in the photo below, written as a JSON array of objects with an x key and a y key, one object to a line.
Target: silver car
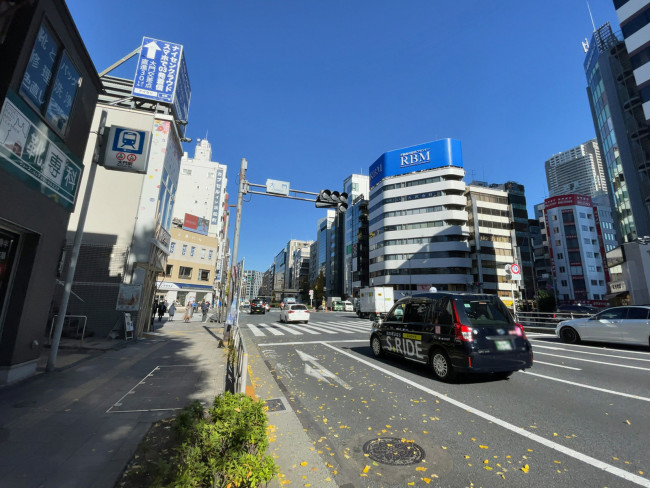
[{"x": 624, "y": 325}]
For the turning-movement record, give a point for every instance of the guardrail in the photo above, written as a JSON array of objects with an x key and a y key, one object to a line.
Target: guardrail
[{"x": 547, "y": 319}]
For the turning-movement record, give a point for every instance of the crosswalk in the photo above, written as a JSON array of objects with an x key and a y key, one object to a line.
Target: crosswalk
[{"x": 313, "y": 328}]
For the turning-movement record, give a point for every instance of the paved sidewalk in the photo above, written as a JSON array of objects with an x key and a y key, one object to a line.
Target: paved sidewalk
[{"x": 79, "y": 425}]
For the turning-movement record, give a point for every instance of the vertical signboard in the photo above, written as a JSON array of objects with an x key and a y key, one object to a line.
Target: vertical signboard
[{"x": 217, "y": 196}]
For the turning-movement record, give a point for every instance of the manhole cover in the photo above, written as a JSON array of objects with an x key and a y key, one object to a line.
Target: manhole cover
[
  {"x": 275, "y": 405},
  {"x": 393, "y": 451}
]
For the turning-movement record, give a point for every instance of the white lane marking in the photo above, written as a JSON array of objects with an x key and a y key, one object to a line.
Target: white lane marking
[
  {"x": 316, "y": 370},
  {"x": 337, "y": 328},
  {"x": 365, "y": 341},
  {"x": 507, "y": 425},
  {"x": 304, "y": 328},
  {"x": 558, "y": 365},
  {"x": 272, "y": 330},
  {"x": 582, "y": 385},
  {"x": 592, "y": 361},
  {"x": 288, "y": 329},
  {"x": 255, "y": 330},
  {"x": 599, "y": 348},
  {"x": 555, "y": 348}
]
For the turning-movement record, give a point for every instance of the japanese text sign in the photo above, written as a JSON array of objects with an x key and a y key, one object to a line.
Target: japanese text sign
[{"x": 157, "y": 71}]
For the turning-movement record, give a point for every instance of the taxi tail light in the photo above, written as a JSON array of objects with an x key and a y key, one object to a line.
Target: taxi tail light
[
  {"x": 463, "y": 332},
  {"x": 520, "y": 328},
  {"x": 290, "y": 311}
]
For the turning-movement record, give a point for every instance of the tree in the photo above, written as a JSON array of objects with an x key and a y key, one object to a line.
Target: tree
[{"x": 319, "y": 289}]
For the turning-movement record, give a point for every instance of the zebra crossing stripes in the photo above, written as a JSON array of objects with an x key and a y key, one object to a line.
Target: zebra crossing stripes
[{"x": 313, "y": 328}]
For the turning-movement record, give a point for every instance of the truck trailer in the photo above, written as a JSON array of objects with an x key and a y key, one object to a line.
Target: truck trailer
[{"x": 374, "y": 301}]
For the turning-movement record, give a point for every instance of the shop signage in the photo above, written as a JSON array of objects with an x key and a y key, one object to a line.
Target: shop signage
[{"x": 31, "y": 152}]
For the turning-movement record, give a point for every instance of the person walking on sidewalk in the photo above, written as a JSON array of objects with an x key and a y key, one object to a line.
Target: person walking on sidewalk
[
  {"x": 162, "y": 308},
  {"x": 205, "y": 307},
  {"x": 188, "y": 312},
  {"x": 172, "y": 310}
]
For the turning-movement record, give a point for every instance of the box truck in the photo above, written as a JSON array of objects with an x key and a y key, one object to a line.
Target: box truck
[
  {"x": 331, "y": 301},
  {"x": 374, "y": 301}
]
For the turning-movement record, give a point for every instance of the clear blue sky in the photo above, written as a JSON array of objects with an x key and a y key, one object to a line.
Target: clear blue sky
[{"x": 312, "y": 91}]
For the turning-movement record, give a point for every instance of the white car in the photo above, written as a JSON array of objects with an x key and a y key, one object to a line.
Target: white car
[
  {"x": 348, "y": 307},
  {"x": 625, "y": 325},
  {"x": 294, "y": 312}
]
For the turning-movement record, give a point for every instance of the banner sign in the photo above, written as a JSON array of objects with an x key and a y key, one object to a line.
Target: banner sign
[
  {"x": 128, "y": 299},
  {"x": 31, "y": 152},
  {"x": 196, "y": 224}
]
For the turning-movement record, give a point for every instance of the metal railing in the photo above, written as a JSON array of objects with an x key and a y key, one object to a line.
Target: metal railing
[
  {"x": 547, "y": 319},
  {"x": 83, "y": 329}
]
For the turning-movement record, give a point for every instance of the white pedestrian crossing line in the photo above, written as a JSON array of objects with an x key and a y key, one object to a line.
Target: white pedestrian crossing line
[{"x": 313, "y": 328}]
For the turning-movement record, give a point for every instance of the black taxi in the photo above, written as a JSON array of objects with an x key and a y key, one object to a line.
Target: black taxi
[{"x": 454, "y": 332}]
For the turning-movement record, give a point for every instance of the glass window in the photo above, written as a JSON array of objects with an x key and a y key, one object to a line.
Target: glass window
[
  {"x": 209, "y": 254},
  {"x": 50, "y": 81},
  {"x": 613, "y": 314},
  {"x": 483, "y": 312},
  {"x": 192, "y": 251},
  {"x": 416, "y": 312},
  {"x": 202, "y": 253},
  {"x": 168, "y": 270},
  {"x": 184, "y": 250},
  {"x": 637, "y": 313},
  {"x": 397, "y": 314},
  {"x": 185, "y": 272},
  {"x": 172, "y": 246},
  {"x": 442, "y": 312},
  {"x": 204, "y": 275}
]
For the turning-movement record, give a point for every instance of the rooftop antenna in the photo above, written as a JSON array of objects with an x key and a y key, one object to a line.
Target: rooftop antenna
[{"x": 591, "y": 17}]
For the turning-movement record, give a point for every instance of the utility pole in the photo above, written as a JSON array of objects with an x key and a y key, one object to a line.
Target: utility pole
[
  {"x": 235, "y": 244},
  {"x": 76, "y": 246}
]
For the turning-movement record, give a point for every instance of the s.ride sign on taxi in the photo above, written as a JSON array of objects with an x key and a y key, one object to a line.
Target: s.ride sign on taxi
[{"x": 409, "y": 345}]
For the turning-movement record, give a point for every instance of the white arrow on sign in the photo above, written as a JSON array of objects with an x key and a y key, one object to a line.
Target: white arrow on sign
[
  {"x": 317, "y": 371},
  {"x": 152, "y": 48}
]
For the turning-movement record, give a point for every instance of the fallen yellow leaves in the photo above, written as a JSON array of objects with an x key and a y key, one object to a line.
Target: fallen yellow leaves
[
  {"x": 421, "y": 468},
  {"x": 525, "y": 468},
  {"x": 483, "y": 447},
  {"x": 366, "y": 469}
]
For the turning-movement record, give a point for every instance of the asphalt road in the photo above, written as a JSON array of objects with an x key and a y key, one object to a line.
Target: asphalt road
[{"x": 579, "y": 417}]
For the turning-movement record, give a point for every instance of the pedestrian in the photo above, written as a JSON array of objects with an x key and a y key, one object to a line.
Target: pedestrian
[
  {"x": 192, "y": 308},
  {"x": 171, "y": 311},
  {"x": 186, "y": 314},
  {"x": 205, "y": 307},
  {"x": 162, "y": 308}
]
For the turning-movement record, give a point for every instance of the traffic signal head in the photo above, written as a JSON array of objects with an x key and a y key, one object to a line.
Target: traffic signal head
[
  {"x": 332, "y": 199},
  {"x": 324, "y": 199}
]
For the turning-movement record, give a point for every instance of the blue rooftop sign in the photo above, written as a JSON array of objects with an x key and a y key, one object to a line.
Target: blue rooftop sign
[
  {"x": 157, "y": 74},
  {"x": 445, "y": 152}
]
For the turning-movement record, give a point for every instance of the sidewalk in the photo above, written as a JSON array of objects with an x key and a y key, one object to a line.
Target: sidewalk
[{"x": 80, "y": 425}]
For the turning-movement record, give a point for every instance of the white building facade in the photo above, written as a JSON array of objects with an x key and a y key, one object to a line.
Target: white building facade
[
  {"x": 579, "y": 170},
  {"x": 355, "y": 186},
  {"x": 577, "y": 249},
  {"x": 418, "y": 222}
]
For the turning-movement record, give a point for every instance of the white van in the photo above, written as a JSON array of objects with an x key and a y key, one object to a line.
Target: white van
[{"x": 348, "y": 307}]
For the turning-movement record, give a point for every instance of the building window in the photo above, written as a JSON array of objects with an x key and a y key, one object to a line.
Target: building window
[
  {"x": 168, "y": 270},
  {"x": 560, "y": 255},
  {"x": 594, "y": 283},
  {"x": 50, "y": 81},
  {"x": 564, "y": 283},
  {"x": 184, "y": 251},
  {"x": 185, "y": 273},
  {"x": 202, "y": 253},
  {"x": 204, "y": 275},
  {"x": 562, "y": 269},
  {"x": 558, "y": 243},
  {"x": 192, "y": 251},
  {"x": 585, "y": 228},
  {"x": 587, "y": 241},
  {"x": 209, "y": 254},
  {"x": 187, "y": 172},
  {"x": 582, "y": 215},
  {"x": 172, "y": 246}
]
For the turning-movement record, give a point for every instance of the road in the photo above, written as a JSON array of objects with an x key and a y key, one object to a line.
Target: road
[{"x": 577, "y": 418}]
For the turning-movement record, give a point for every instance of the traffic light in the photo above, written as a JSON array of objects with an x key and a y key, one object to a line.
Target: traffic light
[{"x": 332, "y": 199}]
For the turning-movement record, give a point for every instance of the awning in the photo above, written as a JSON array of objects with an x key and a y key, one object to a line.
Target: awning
[
  {"x": 168, "y": 285},
  {"x": 619, "y": 294}
]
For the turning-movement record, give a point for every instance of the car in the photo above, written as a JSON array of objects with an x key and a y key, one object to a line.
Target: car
[
  {"x": 294, "y": 312},
  {"x": 454, "y": 332},
  {"x": 286, "y": 301},
  {"x": 337, "y": 306},
  {"x": 347, "y": 306},
  {"x": 623, "y": 325},
  {"x": 565, "y": 312},
  {"x": 258, "y": 306}
]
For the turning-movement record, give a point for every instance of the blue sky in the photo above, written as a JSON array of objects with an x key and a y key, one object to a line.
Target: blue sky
[{"x": 312, "y": 91}]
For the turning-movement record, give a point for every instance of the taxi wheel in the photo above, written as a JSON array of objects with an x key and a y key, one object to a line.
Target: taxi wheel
[
  {"x": 441, "y": 366},
  {"x": 569, "y": 335},
  {"x": 375, "y": 343}
]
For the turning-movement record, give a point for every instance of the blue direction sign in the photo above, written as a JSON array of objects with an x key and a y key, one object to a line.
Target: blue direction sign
[{"x": 159, "y": 64}]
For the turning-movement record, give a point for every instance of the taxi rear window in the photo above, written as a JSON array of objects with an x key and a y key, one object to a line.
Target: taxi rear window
[{"x": 483, "y": 311}]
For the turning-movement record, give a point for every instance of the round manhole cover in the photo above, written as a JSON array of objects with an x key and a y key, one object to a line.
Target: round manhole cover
[{"x": 393, "y": 451}]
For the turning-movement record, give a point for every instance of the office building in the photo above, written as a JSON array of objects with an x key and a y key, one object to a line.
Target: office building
[
  {"x": 252, "y": 284},
  {"x": 578, "y": 170},
  {"x": 576, "y": 249},
  {"x": 356, "y": 186},
  {"x": 417, "y": 210},
  {"x": 283, "y": 263},
  {"x": 634, "y": 19},
  {"x": 621, "y": 130},
  {"x": 492, "y": 241}
]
